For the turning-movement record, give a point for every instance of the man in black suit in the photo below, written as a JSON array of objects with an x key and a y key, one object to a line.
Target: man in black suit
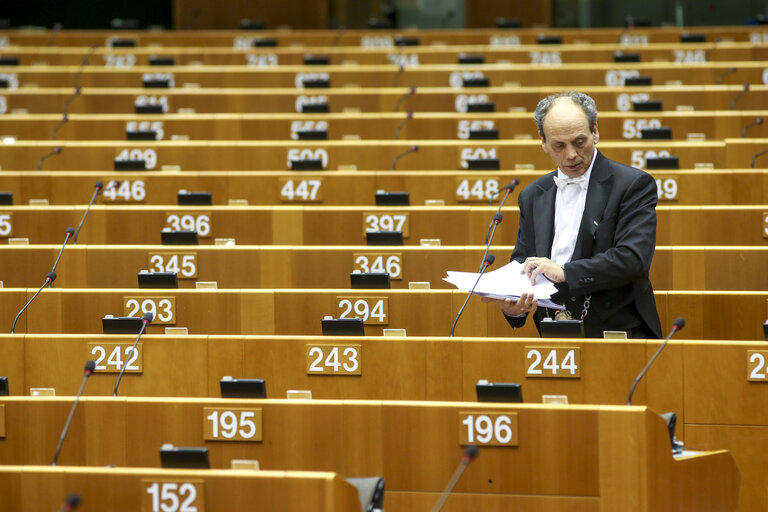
[{"x": 589, "y": 227}]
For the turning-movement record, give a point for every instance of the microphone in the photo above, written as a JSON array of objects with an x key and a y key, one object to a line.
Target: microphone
[
  {"x": 71, "y": 503},
  {"x": 676, "y": 326},
  {"x": 509, "y": 189},
  {"x": 470, "y": 454},
  {"x": 97, "y": 189},
  {"x": 146, "y": 319},
  {"x": 756, "y": 122},
  {"x": 497, "y": 218},
  {"x": 724, "y": 73},
  {"x": 408, "y": 117},
  {"x": 411, "y": 90},
  {"x": 412, "y": 149},
  {"x": 49, "y": 278},
  {"x": 89, "y": 367},
  {"x": 487, "y": 262},
  {"x": 75, "y": 81},
  {"x": 761, "y": 153},
  {"x": 68, "y": 233},
  {"x": 739, "y": 95},
  {"x": 46, "y": 156}
]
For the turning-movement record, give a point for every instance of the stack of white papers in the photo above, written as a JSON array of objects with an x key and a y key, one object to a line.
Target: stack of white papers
[{"x": 506, "y": 283}]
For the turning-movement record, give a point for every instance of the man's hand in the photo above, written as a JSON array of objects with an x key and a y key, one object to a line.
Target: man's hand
[
  {"x": 525, "y": 304},
  {"x": 533, "y": 267}
]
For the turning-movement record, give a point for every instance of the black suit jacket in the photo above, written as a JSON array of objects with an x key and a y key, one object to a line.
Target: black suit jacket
[{"x": 614, "y": 248}]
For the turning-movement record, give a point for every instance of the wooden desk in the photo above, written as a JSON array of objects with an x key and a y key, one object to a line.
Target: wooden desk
[
  {"x": 566, "y": 457},
  {"x": 360, "y": 154},
  {"x": 127, "y": 58},
  {"x": 371, "y": 126},
  {"x": 436, "y": 75},
  {"x": 372, "y": 99},
  {"x": 712, "y": 315},
  {"x": 676, "y": 187},
  {"x": 309, "y": 225},
  {"x": 377, "y": 38},
  {"x": 211, "y": 490},
  {"x": 116, "y": 266}
]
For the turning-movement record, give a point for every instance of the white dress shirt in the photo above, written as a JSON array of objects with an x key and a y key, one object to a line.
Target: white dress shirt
[{"x": 569, "y": 208}]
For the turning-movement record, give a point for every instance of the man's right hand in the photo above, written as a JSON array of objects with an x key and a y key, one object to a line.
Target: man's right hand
[{"x": 525, "y": 304}]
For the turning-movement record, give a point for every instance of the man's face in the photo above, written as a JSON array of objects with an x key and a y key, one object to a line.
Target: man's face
[{"x": 568, "y": 140}]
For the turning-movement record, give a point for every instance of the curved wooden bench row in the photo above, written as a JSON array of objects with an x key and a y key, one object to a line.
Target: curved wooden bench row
[
  {"x": 719, "y": 124},
  {"x": 682, "y": 187},
  {"x": 340, "y": 225},
  {"x": 369, "y": 99},
  {"x": 711, "y": 314},
  {"x": 117, "y": 266}
]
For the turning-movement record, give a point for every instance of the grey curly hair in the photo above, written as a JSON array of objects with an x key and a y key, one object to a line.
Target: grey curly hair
[{"x": 586, "y": 103}]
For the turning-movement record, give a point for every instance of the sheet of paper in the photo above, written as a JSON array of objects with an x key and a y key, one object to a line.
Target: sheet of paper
[{"x": 505, "y": 282}]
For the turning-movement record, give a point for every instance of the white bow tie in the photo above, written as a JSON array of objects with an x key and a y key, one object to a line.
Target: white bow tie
[{"x": 563, "y": 182}]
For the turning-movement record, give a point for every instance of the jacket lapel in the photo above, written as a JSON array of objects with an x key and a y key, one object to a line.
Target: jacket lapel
[
  {"x": 600, "y": 184},
  {"x": 544, "y": 216}
]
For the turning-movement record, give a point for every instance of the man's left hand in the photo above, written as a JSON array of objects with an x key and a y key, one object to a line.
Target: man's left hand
[{"x": 533, "y": 267}]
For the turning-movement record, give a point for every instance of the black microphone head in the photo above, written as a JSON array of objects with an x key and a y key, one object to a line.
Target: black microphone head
[
  {"x": 759, "y": 120},
  {"x": 57, "y": 149},
  {"x": 489, "y": 260},
  {"x": 90, "y": 366},
  {"x": 114, "y": 183},
  {"x": 73, "y": 500},
  {"x": 69, "y": 231},
  {"x": 470, "y": 453},
  {"x": 414, "y": 148},
  {"x": 50, "y": 276},
  {"x": 497, "y": 217},
  {"x": 148, "y": 317},
  {"x": 679, "y": 323},
  {"x": 99, "y": 185},
  {"x": 512, "y": 184}
]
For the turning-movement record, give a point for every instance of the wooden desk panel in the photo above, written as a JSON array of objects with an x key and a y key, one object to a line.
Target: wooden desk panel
[
  {"x": 339, "y": 188},
  {"x": 437, "y": 75},
  {"x": 370, "y": 99},
  {"x": 221, "y": 489},
  {"x": 365, "y": 155},
  {"x": 613, "y": 125},
  {"x": 420, "y": 312}
]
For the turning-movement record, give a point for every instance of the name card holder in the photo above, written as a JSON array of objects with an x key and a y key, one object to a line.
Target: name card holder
[
  {"x": 3, "y": 83},
  {"x": 186, "y": 198},
  {"x": 631, "y": 81},
  {"x": 264, "y": 43},
  {"x": 148, "y": 109},
  {"x": 484, "y": 134},
  {"x": 312, "y": 134},
  {"x": 510, "y": 392},
  {"x": 141, "y": 135},
  {"x": 4, "y": 386},
  {"x": 487, "y": 106},
  {"x": 384, "y": 237},
  {"x": 476, "y": 82},
  {"x": 483, "y": 164},
  {"x": 342, "y": 326},
  {"x": 156, "y": 83},
  {"x": 242, "y": 388},
  {"x": 161, "y": 61},
  {"x": 663, "y": 133},
  {"x": 316, "y": 83},
  {"x": 369, "y": 280},
  {"x": 158, "y": 279},
  {"x": 392, "y": 198},
  {"x": 545, "y": 39},
  {"x": 406, "y": 41},
  {"x": 315, "y": 108},
  {"x": 121, "y": 324},
  {"x": 169, "y": 237},
  {"x": 180, "y": 457},
  {"x": 316, "y": 60},
  {"x": 122, "y": 43},
  {"x": 130, "y": 165},
  {"x": 561, "y": 328},
  {"x": 662, "y": 162},
  {"x": 471, "y": 59},
  {"x": 647, "y": 106},
  {"x": 9, "y": 61},
  {"x": 626, "y": 57},
  {"x": 6, "y": 198},
  {"x": 310, "y": 164}
]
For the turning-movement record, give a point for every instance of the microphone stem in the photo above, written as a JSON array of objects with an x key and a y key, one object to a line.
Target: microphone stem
[
  {"x": 448, "y": 488},
  {"x": 58, "y": 258},
  {"x": 648, "y": 365},
  {"x": 13, "y": 327},
  {"x": 456, "y": 320},
  {"x": 80, "y": 226},
  {"x": 488, "y": 243},
  {"x": 133, "y": 350},
  {"x": 69, "y": 419}
]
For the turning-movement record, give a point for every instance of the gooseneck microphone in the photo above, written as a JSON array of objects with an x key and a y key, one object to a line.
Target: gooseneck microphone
[
  {"x": 758, "y": 121},
  {"x": 676, "y": 326},
  {"x": 54, "y": 151},
  {"x": 146, "y": 319},
  {"x": 470, "y": 454},
  {"x": 411, "y": 90},
  {"x": 49, "y": 278},
  {"x": 723, "y": 74},
  {"x": 497, "y": 218},
  {"x": 507, "y": 190},
  {"x": 757, "y": 155},
  {"x": 71, "y": 503},
  {"x": 67, "y": 235},
  {"x": 487, "y": 262},
  {"x": 408, "y": 117},
  {"x": 739, "y": 95},
  {"x": 89, "y": 367},
  {"x": 411, "y": 149},
  {"x": 97, "y": 190}
]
